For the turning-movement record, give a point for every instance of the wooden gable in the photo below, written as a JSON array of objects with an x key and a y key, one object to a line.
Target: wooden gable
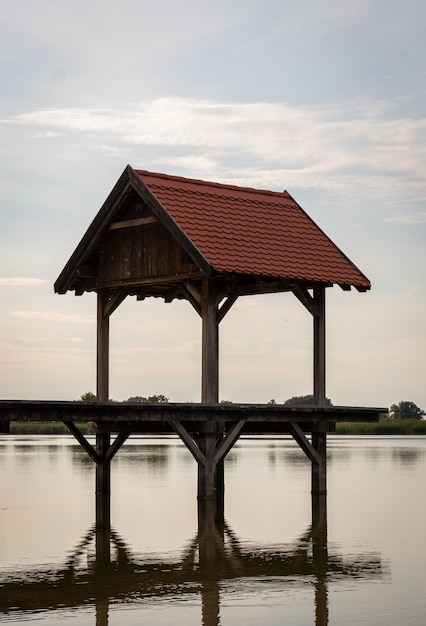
[
  {"x": 128, "y": 246},
  {"x": 138, "y": 249}
]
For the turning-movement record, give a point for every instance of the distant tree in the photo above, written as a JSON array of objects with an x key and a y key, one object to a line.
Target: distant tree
[
  {"x": 136, "y": 399},
  {"x": 305, "y": 400},
  {"x": 272, "y": 401},
  {"x": 89, "y": 396},
  {"x": 406, "y": 410},
  {"x": 157, "y": 398},
  {"x": 226, "y": 402}
]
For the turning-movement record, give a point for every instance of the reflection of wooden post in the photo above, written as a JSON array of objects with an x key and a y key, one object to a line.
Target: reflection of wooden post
[
  {"x": 103, "y": 468},
  {"x": 320, "y": 557},
  {"x": 102, "y": 565},
  {"x": 211, "y": 549}
]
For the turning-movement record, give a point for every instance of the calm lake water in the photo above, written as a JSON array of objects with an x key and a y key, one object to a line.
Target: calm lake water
[{"x": 267, "y": 565}]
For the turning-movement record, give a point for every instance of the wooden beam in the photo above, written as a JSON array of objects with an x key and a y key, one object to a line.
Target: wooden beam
[
  {"x": 149, "y": 281},
  {"x": 193, "y": 295},
  {"x": 140, "y": 221},
  {"x": 189, "y": 286},
  {"x": 304, "y": 443},
  {"x": 114, "y": 300},
  {"x": 306, "y": 299},
  {"x": 228, "y": 441},
  {"x": 83, "y": 441},
  {"x": 190, "y": 443},
  {"x": 225, "y": 307},
  {"x": 116, "y": 445}
]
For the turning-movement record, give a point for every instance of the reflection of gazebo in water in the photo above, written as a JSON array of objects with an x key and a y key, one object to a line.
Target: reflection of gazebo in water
[{"x": 103, "y": 572}]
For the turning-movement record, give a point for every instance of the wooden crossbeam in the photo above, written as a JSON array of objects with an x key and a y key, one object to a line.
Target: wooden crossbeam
[
  {"x": 304, "y": 443},
  {"x": 306, "y": 299},
  {"x": 141, "y": 221},
  {"x": 83, "y": 442},
  {"x": 228, "y": 441},
  {"x": 110, "y": 453},
  {"x": 223, "y": 310},
  {"x": 115, "y": 446},
  {"x": 190, "y": 443}
]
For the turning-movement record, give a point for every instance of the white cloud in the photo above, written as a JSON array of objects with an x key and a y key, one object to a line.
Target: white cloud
[
  {"x": 22, "y": 281},
  {"x": 47, "y": 135},
  {"x": 52, "y": 316},
  {"x": 34, "y": 339},
  {"x": 343, "y": 146},
  {"x": 411, "y": 218}
]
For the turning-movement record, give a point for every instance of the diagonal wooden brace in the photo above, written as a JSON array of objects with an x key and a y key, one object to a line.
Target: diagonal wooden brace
[{"x": 304, "y": 443}]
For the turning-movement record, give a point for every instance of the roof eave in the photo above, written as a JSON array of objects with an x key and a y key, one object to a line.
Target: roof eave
[
  {"x": 92, "y": 235},
  {"x": 128, "y": 179}
]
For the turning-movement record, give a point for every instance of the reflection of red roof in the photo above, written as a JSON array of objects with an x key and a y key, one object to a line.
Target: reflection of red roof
[{"x": 252, "y": 231}]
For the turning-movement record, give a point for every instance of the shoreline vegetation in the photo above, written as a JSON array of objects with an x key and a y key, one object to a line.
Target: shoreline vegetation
[{"x": 385, "y": 427}]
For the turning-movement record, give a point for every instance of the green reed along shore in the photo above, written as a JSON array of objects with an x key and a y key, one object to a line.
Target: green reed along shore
[{"x": 385, "y": 427}]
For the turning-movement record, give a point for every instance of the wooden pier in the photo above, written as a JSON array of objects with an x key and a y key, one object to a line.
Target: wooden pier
[
  {"x": 208, "y": 431},
  {"x": 209, "y": 244}
]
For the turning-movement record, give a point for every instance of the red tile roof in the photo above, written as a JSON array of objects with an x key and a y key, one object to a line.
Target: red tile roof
[{"x": 252, "y": 231}]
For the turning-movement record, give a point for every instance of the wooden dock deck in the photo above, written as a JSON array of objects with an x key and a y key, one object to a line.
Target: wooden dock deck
[{"x": 156, "y": 417}]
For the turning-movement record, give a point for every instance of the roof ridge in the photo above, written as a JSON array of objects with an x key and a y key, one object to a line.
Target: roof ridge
[{"x": 208, "y": 183}]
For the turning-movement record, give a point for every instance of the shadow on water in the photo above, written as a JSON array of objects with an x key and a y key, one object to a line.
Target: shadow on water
[{"x": 102, "y": 571}]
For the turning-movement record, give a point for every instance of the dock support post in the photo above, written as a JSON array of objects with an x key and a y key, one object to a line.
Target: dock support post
[
  {"x": 319, "y": 470},
  {"x": 103, "y": 467},
  {"x": 210, "y": 475},
  {"x": 5, "y": 426},
  {"x": 103, "y": 483}
]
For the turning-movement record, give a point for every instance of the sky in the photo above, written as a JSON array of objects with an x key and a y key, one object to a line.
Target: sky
[{"x": 326, "y": 100}]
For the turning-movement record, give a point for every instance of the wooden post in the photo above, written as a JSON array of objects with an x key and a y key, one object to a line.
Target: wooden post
[
  {"x": 210, "y": 345},
  {"x": 102, "y": 349},
  {"x": 103, "y": 468},
  {"x": 319, "y": 439},
  {"x": 319, "y": 347},
  {"x": 319, "y": 470},
  {"x": 210, "y": 475},
  {"x": 4, "y": 426}
]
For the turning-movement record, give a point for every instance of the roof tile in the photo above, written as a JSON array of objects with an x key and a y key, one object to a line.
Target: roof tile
[{"x": 252, "y": 231}]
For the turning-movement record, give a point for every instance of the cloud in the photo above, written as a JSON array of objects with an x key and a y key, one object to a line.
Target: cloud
[
  {"x": 47, "y": 135},
  {"x": 34, "y": 339},
  {"x": 341, "y": 146},
  {"x": 412, "y": 218},
  {"x": 22, "y": 281},
  {"x": 52, "y": 316}
]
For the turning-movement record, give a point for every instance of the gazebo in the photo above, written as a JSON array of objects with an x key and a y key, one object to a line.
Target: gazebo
[{"x": 208, "y": 243}]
